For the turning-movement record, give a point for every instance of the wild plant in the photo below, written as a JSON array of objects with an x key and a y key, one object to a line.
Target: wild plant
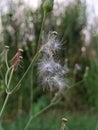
[{"x": 52, "y": 75}]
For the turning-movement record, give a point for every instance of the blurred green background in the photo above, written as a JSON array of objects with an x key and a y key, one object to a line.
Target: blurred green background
[{"x": 21, "y": 27}]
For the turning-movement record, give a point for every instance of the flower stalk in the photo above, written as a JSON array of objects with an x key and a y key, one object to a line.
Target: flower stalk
[{"x": 7, "y": 92}]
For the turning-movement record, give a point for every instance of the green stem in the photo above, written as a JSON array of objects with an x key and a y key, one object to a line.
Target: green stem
[
  {"x": 41, "y": 29},
  {"x": 11, "y": 75},
  {"x": 6, "y": 76},
  {"x": 8, "y": 93},
  {"x": 77, "y": 83},
  {"x": 40, "y": 112},
  {"x": 4, "y": 105},
  {"x": 31, "y": 91},
  {"x": 6, "y": 61}
]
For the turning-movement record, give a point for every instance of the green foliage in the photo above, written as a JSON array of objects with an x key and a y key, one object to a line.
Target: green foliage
[
  {"x": 24, "y": 32},
  {"x": 92, "y": 80},
  {"x": 41, "y": 103},
  {"x": 73, "y": 22},
  {"x": 1, "y": 126},
  {"x": 92, "y": 85},
  {"x": 52, "y": 121}
]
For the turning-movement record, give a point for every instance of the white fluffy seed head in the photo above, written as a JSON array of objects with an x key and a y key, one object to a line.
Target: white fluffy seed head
[
  {"x": 52, "y": 36},
  {"x": 57, "y": 46},
  {"x": 52, "y": 73},
  {"x": 58, "y": 82},
  {"x": 47, "y": 82},
  {"x": 46, "y": 66},
  {"x": 52, "y": 45}
]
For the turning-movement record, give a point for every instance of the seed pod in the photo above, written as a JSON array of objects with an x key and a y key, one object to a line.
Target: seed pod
[
  {"x": 48, "y": 5},
  {"x": 15, "y": 61}
]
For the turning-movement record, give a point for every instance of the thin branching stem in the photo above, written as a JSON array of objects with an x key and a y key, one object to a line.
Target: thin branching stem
[
  {"x": 77, "y": 83},
  {"x": 4, "y": 104},
  {"x": 8, "y": 93},
  {"x": 41, "y": 29},
  {"x": 31, "y": 64},
  {"x": 6, "y": 61},
  {"x": 18, "y": 84},
  {"x": 6, "y": 75},
  {"x": 10, "y": 78},
  {"x": 39, "y": 113},
  {"x": 31, "y": 91}
]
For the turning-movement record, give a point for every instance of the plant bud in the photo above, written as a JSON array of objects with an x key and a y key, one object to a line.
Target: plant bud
[{"x": 48, "y": 5}]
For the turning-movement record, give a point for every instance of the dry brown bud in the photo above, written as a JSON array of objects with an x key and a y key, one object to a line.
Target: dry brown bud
[{"x": 15, "y": 61}]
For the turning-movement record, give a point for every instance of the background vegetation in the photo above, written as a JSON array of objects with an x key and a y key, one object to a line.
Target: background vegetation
[{"x": 21, "y": 29}]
